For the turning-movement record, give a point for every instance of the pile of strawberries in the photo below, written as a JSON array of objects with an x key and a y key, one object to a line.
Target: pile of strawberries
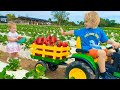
[{"x": 50, "y": 41}]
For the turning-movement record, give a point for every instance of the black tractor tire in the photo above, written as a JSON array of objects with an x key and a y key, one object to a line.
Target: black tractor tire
[{"x": 82, "y": 66}]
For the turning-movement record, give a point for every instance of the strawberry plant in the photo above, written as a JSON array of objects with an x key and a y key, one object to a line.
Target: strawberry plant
[
  {"x": 3, "y": 74},
  {"x": 68, "y": 37},
  {"x": 62, "y": 38},
  {"x": 35, "y": 31},
  {"x": 13, "y": 64},
  {"x": 35, "y": 74}
]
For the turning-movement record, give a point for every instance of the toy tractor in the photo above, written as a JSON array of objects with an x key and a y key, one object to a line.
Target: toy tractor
[
  {"x": 49, "y": 56},
  {"x": 85, "y": 67}
]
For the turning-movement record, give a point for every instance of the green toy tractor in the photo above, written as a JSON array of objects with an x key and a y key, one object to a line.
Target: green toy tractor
[{"x": 85, "y": 67}]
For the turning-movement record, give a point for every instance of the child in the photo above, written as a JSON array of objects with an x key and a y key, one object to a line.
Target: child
[
  {"x": 12, "y": 47},
  {"x": 90, "y": 37}
]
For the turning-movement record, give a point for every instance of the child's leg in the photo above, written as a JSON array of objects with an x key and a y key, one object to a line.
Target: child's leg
[
  {"x": 101, "y": 60},
  {"x": 11, "y": 55},
  {"x": 101, "y": 55},
  {"x": 16, "y": 55}
]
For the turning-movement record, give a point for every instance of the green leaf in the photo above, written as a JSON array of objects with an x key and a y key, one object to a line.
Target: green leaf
[{"x": 13, "y": 64}]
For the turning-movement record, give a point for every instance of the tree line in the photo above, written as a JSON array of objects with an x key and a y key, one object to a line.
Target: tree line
[{"x": 62, "y": 18}]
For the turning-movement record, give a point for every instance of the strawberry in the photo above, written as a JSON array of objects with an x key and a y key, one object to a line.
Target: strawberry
[
  {"x": 54, "y": 39},
  {"x": 50, "y": 43},
  {"x": 64, "y": 44},
  {"x": 42, "y": 38},
  {"x": 59, "y": 44},
  {"x": 45, "y": 42},
  {"x": 49, "y": 38},
  {"x": 38, "y": 40}
]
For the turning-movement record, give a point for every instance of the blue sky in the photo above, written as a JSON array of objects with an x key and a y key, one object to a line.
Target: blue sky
[{"x": 74, "y": 15}]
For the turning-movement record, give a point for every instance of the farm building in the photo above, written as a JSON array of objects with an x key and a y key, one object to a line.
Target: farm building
[
  {"x": 3, "y": 19},
  {"x": 33, "y": 21}
]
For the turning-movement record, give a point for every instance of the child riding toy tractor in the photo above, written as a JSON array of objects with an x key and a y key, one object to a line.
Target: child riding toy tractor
[{"x": 85, "y": 67}]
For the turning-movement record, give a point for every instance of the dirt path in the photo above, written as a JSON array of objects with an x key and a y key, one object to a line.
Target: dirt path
[{"x": 28, "y": 64}]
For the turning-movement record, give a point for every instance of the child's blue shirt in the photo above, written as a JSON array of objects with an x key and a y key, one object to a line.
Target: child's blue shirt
[{"x": 91, "y": 38}]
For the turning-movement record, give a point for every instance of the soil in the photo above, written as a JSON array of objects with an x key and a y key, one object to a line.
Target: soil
[{"x": 28, "y": 64}]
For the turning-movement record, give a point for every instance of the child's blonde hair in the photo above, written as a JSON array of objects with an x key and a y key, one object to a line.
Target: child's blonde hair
[
  {"x": 11, "y": 24},
  {"x": 93, "y": 18}
]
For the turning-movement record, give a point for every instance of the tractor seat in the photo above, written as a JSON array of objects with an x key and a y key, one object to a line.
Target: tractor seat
[{"x": 81, "y": 51}]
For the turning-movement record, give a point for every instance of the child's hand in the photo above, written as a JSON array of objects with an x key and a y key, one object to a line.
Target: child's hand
[
  {"x": 115, "y": 45},
  {"x": 16, "y": 39},
  {"x": 19, "y": 37},
  {"x": 62, "y": 31}
]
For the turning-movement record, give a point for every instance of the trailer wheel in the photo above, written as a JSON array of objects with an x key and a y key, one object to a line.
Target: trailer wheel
[{"x": 41, "y": 63}]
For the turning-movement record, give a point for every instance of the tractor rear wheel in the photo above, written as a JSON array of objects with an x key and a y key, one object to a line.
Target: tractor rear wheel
[{"x": 79, "y": 70}]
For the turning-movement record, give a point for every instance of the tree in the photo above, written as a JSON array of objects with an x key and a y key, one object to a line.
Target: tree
[
  {"x": 60, "y": 16},
  {"x": 11, "y": 17},
  {"x": 50, "y": 20},
  {"x": 78, "y": 22},
  {"x": 107, "y": 23},
  {"x": 81, "y": 23},
  {"x": 102, "y": 22},
  {"x": 72, "y": 23}
]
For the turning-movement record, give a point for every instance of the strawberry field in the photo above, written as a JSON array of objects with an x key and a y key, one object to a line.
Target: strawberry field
[
  {"x": 48, "y": 35},
  {"x": 32, "y": 32}
]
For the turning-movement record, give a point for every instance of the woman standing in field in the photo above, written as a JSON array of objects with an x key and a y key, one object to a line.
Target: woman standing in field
[{"x": 12, "y": 47}]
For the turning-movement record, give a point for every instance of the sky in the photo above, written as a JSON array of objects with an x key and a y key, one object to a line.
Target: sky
[{"x": 74, "y": 15}]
